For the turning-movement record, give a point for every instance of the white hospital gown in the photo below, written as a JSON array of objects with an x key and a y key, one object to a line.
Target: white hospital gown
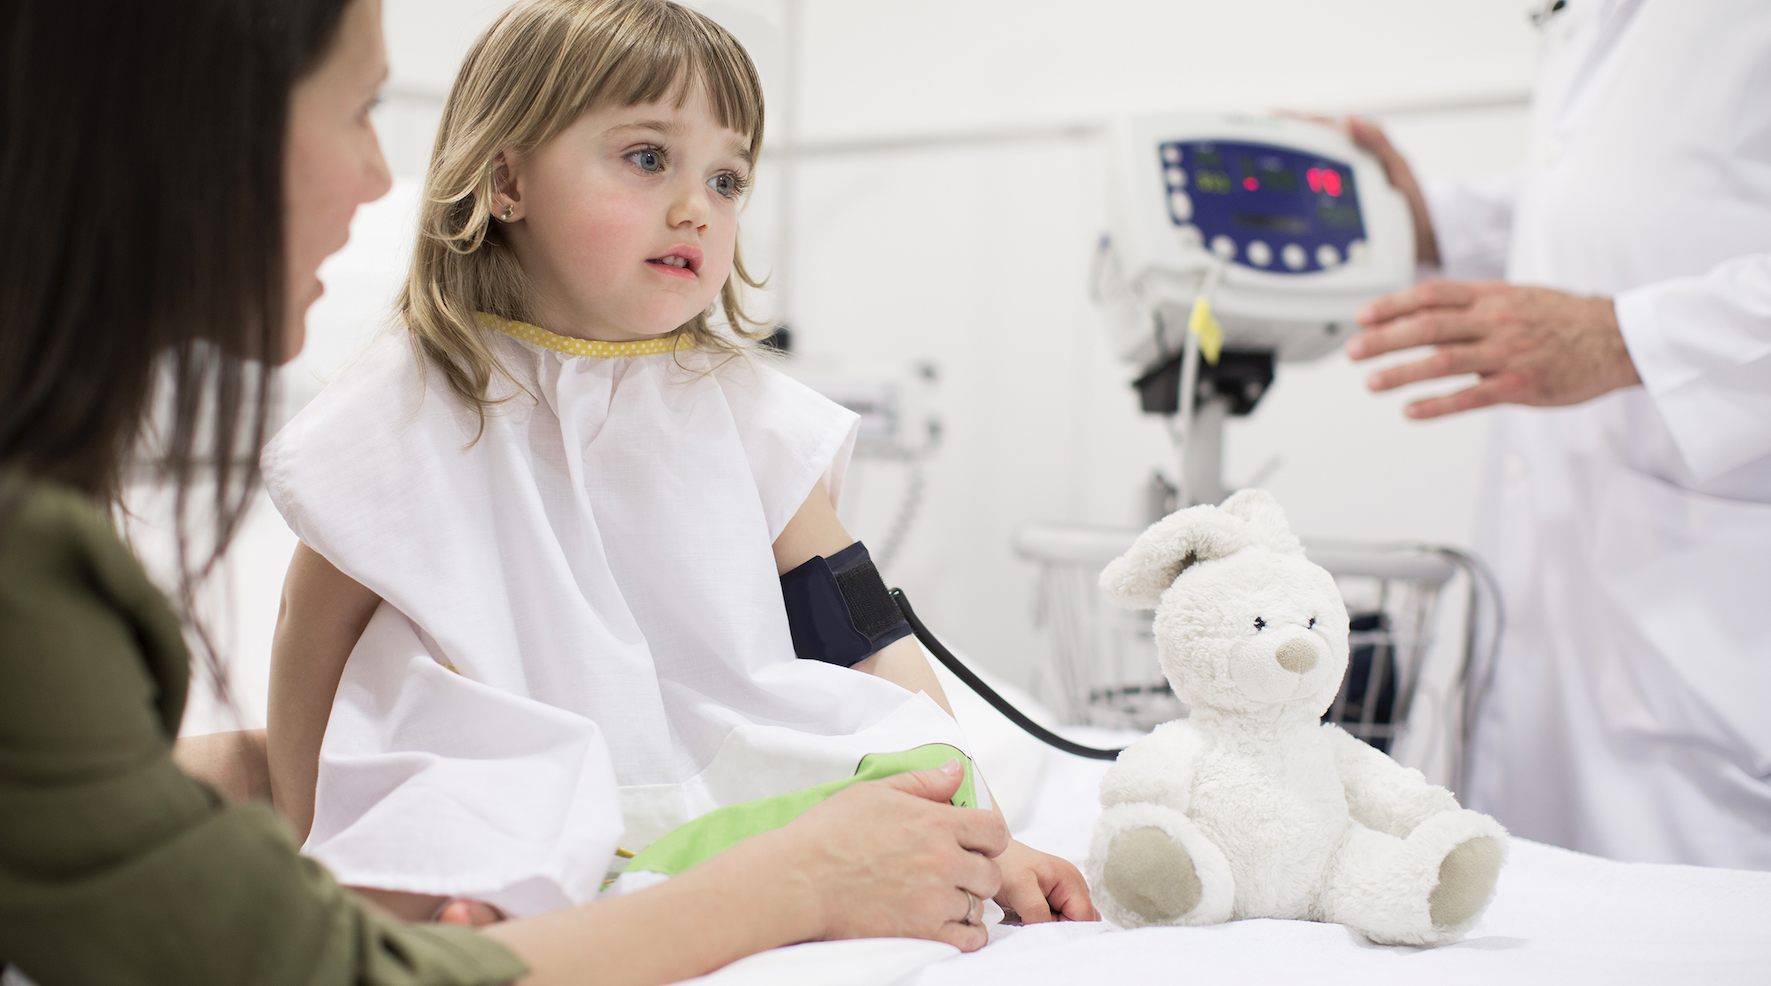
[{"x": 582, "y": 600}]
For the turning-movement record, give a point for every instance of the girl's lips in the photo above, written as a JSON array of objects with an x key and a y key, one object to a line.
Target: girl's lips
[
  {"x": 669, "y": 270},
  {"x": 681, "y": 260}
]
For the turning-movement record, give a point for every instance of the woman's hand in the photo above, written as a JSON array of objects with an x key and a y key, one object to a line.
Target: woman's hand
[
  {"x": 887, "y": 858},
  {"x": 891, "y": 859},
  {"x": 1039, "y": 887}
]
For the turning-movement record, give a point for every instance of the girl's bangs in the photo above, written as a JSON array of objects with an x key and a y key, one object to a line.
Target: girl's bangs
[{"x": 671, "y": 55}]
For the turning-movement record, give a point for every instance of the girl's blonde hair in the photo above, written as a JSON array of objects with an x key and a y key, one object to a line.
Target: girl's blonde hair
[{"x": 527, "y": 78}]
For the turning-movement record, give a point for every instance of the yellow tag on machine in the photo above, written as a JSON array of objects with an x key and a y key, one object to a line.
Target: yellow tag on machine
[
  {"x": 1234, "y": 243},
  {"x": 1204, "y": 324}
]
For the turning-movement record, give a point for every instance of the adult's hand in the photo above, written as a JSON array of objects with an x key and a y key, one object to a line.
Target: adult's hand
[
  {"x": 1371, "y": 138},
  {"x": 891, "y": 859},
  {"x": 1528, "y": 345},
  {"x": 881, "y": 858}
]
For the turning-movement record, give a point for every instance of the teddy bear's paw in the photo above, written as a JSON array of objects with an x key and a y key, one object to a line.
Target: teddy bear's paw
[
  {"x": 1149, "y": 864},
  {"x": 1426, "y": 889},
  {"x": 1151, "y": 875},
  {"x": 1466, "y": 880}
]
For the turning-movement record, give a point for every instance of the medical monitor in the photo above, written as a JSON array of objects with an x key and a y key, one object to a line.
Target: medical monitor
[{"x": 1302, "y": 226}]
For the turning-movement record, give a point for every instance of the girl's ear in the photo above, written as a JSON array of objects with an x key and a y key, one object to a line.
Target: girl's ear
[
  {"x": 506, "y": 204},
  {"x": 1137, "y": 579}
]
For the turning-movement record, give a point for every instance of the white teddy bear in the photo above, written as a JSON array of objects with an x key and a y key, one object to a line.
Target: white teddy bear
[{"x": 1252, "y": 808}]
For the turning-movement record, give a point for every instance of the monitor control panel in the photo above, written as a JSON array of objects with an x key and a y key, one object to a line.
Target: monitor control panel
[{"x": 1274, "y": 209}]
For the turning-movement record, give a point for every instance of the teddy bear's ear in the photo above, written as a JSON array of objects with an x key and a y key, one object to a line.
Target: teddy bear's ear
[
  {"x": 1137, "y": 579},
  {"x": 1266, "y": 520}
]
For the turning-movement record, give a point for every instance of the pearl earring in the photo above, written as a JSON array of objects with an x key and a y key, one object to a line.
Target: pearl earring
[{"x": 507, "y": 211}]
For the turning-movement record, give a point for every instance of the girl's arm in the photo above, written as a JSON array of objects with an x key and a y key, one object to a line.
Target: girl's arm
[
  {"x": 322, "y": 614},
  {"x": 1036, "y": 885},
  {"x": 814, "y": 531},
  {"x": 231, "y": 763}
]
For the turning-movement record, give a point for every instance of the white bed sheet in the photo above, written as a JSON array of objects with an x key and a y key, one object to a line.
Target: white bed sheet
[{"x": 1558, "y": 916}]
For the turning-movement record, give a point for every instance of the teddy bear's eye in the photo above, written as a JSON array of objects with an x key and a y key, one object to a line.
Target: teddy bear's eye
[
  {"x": 1312, "y": 624},
  {"x": 1259, "y": 624}
]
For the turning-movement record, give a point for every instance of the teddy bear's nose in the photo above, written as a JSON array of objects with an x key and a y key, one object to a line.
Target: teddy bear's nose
[{"x": 1296, "y": 655}]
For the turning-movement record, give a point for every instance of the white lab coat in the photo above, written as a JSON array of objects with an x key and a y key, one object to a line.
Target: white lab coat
[{"x": 1629, "y": 711}]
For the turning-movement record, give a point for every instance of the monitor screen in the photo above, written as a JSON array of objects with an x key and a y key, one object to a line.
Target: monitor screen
[{"x": 1265, "y": 206}]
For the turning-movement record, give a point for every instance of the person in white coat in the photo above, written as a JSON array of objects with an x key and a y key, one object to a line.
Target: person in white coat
[{"x": 1627, "y": 515}]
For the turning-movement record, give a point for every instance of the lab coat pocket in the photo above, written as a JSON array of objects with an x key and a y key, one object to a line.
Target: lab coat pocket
[{"x": 1690, "y": 579}]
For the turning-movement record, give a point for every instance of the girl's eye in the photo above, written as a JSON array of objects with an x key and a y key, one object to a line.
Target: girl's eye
[
  {"x": 727, "y": 184},
  {"x": 650, "y": 160},
  {"x": 1259, "y": 624}
]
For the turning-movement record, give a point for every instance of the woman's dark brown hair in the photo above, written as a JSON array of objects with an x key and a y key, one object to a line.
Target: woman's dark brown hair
[{"x": 141, "y": 149}]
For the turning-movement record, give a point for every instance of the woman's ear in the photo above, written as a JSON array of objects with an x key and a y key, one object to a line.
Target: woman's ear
[
  {"x": 1137, "y": 579},
  {"x": 506, "y": 203}
]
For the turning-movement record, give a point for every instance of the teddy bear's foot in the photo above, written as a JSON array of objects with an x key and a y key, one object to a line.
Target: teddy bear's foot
[
  {"x": 1466, "y": 879},
  {"x": 1151, "y": 875},
  {"x": 1426, "y": 889},
  {"x": 1149, "y": 864}
]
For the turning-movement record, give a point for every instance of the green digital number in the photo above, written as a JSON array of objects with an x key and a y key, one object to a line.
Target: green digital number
[{"x": 1212, "y": 181}]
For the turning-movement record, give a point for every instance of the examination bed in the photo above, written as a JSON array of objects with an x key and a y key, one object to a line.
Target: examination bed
[{"x": 1557, "y": 917}]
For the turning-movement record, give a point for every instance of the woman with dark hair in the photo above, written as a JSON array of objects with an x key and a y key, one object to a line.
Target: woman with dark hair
[{"x": 185, "y": 166}]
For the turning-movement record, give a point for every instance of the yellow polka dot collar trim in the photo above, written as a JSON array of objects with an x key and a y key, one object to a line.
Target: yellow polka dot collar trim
[{"x": 583, "y": 347}]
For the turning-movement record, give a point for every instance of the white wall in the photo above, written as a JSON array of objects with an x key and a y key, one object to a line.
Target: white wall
[{"x": 970, "y": 253}]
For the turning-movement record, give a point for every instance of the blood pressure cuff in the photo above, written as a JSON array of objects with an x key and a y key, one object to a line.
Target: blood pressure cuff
[{"x": 838, "y": 608}]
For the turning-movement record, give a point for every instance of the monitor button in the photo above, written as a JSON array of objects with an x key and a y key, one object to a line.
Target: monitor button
[
  {"x": 1294, "y": 256},
  {"x": 1260, "y": 254},
  {"x": 1171, "y": 154},
  {"x": 1327, "y": 255},
  {"x": 1177, "y": 177},
  {"x": 1180, "y": 206},
  {"x": 1223, "y": 246}
]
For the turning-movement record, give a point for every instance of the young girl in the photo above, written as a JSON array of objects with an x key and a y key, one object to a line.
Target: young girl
[{"x": 545, "y": 524}]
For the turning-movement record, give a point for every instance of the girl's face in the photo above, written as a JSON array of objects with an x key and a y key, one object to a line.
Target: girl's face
[
  {"x": 331, "y": 162},
  {"x": 625, "y": 222}
]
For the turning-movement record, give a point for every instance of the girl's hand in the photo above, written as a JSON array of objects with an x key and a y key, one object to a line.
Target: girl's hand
[
  {"x": 890, "y": 858},
  {"x": 1041, "y": 887},
  {"x": 469, "y": 913}
]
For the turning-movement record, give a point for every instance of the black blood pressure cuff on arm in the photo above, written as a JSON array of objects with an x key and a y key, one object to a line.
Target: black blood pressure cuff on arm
[{"x": 838, "y": 608}]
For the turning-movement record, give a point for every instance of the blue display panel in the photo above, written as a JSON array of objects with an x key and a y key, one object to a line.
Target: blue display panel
[{"x": 1271, "y": 208}]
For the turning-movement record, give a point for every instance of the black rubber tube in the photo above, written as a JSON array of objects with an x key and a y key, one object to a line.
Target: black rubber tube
[{"x": 1001, "y": 704}]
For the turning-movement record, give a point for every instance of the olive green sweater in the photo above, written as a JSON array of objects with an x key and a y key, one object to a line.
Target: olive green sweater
[{"x": 115, "y": 867}]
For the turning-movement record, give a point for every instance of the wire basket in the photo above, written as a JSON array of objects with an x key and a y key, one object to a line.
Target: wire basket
[{"x": 1102, "y": 670}]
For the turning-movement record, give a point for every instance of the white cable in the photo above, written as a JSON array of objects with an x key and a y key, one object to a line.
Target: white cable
[{"x": 1182, "y": 436}]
